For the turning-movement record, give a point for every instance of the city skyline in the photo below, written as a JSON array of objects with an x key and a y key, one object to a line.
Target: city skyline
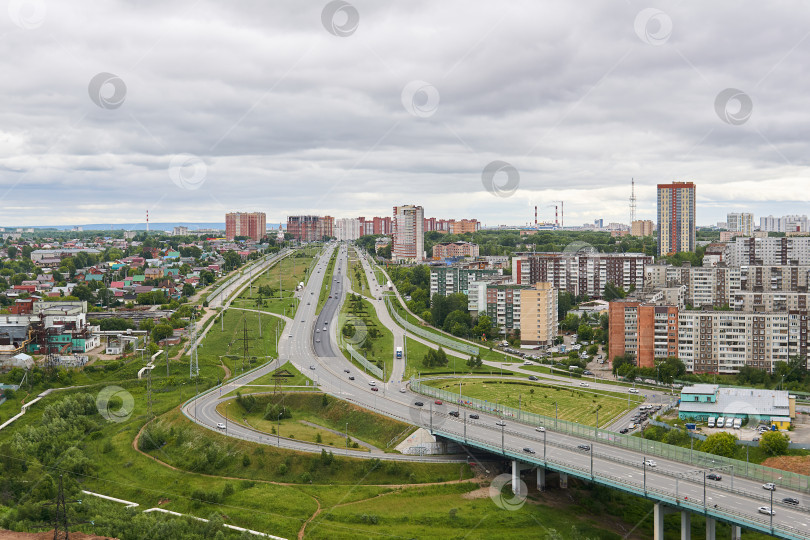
[{"x": 309, "y": 120}]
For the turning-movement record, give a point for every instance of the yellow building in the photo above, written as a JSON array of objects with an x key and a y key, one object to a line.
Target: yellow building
[{"x": 538, "y": 315}]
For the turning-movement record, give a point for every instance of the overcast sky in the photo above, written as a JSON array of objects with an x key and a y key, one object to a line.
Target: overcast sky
[{"x": 193, "y": 109}]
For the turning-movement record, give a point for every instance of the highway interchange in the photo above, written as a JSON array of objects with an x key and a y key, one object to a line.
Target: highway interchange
[{"x": 315, "y": 353}]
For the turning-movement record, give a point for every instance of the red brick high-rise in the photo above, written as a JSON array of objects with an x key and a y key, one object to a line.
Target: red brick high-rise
[{"x": 253, "y": 225}]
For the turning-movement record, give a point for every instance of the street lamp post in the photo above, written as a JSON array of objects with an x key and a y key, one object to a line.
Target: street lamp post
[
  {"x": 592, "y": 462},
  {"x": 556, "y": 411},
  {"x": 771, "y": 516},
  {"x": 644, "y": 467},
  {"x": 347, "y": 434},
  {"x": 278, "y": 431},
  {"x": 704, "y": 491},
  {"x": 544, "y": 447},
  {"x": 465, "y": 426},
  {"x": 503, "y": 448}
]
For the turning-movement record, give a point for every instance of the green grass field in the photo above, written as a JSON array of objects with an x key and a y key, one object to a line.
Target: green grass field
[
  {"x": 375, "y": 341},
  {"x": 227, "y": 343},
  {"x": 416, "y": 352},
  {"x": 357, "y": 275},
  {"x": 291, "y": 270},
  {"x": 575, "y": 404},
  {"x": 326, "y": 285}
]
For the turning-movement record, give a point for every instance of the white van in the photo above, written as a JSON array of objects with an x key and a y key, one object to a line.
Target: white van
[
  {"x": 711, "y": 421},
  {"x": 729, "y": 421},
  {"x": 720, "y": 421},
  {"x": 737, "y": 423}
]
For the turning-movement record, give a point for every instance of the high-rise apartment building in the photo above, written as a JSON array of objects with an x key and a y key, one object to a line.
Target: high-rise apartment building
[
  {"x": 581, "y": 272},
  {"x": 250, "y": 224},
  {"x": 642, "y": 227},
  {"x": 447, "y": 250},
  {"x": 741, "y": 222},
  {"x": 769, "y": 251},
  {"x": 784, "y": 224},
  {"x": 310, "y": 228},
  {"x": 408, "y": 232},
  {"x": 538, "y": 315},
  {"x": 676, "y": 218},
  {"x": 347, "y": 229}
]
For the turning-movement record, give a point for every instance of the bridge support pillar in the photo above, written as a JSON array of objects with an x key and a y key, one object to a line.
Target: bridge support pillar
[
  {"x": 541, "y": 479},
  {"x": 563, "y": 480},
  {"x": 686, "y": 525},
  {"x": 516, "y": 468},
  {"x": 736, "y": 532},
  {"x": 710, "y": 528},
  {"x": 659, "y": 511}
]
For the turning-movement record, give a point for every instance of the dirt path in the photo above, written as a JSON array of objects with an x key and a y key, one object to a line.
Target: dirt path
[{"x": 307, "y": 522}]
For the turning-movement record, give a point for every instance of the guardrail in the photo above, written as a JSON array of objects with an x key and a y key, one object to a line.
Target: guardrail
[
  {"x": 421, "y": 332},
  {"x": 377, "y": 372},
  {"x": 750, "y": 471},
  {"x": 639, "y": 488}
]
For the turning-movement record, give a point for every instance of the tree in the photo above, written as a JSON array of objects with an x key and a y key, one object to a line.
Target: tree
[
  {"x": 565, "y": 301},
  {"x": 12, "y": 252},
  {"x": 83, "y": 292},
  {"x": 475, "y": 362},
  {"x": 720, "y": 444},
  {"x": 612, "y": 292},
  {"x": 232, "y": 260},
  {"x": 188, "y": 289},
  {"x": 483, "y": 327},
  {"x": 584, "y": 332},
  {"x": 161, "y": 331},
  {"x": 774, "y": 443}
]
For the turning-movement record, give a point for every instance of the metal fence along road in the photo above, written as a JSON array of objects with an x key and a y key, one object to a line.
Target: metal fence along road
[
  {"x": 742, "y": 469},
  {"x": 421, "y": 332},
  {"x": 377, "y": 372}
]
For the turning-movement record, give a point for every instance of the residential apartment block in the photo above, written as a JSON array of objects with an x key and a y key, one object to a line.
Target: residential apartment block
[
  {"x": 538, "y": 315},
  {"x": 769, "y": 251},
  {"x": 446, "y": 280},
  {"x": 408, "y": 232},
  {"x": 347, "y": 229},
  {"x": 784, "y": 224},
  {"x": 676, "y": 218},
  {"x": 310, "y": 228},
  {"x": 707, "y": 341},
  {"x": 642, "y": 227},
  {"x": 252, "y": 225},
  {"x": 452, "y": 250},
  {"x": 501, "y": 303},
  {"x": 581, "y": 273},
  {"x": 741, "y": 222}
]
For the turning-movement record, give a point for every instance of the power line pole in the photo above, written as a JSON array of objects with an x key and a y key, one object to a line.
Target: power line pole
[{"x": 149, "y": 392}]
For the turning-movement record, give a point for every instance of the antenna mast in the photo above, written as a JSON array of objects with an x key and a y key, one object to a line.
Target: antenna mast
[{"x": 632, "y": 201}]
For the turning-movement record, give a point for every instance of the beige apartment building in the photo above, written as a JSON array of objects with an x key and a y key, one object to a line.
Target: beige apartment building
[{"x": 538, "y": 315}]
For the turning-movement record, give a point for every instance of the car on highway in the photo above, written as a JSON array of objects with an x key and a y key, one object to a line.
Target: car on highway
[
  {"x": 770, "y": 486},
  {"x": 418, "y": 403},
  {"x": 584, "y": 384},
  {"x": 311, "y": 367},
  {"x": 438, "y": 402},
  {"x": 541, "y": 429},
  {"x": 454, "y": 414},
  {"x": 767, "y": 511},
  {"x": 375, "y": 389},
  {"x": 714, "y": 476},
  {"x": 528, "y": 450},
  {"x": 317, "y": 341},
  {"x": 650, "y": 463},
  {"x": 585, "y": 447},
  {"x": 308, "y": 303},
  {"x": 402, "y": 390},
  {"x": 351, "y": 378},
  {"x": 372, "y": 383},
  {"x": 474, "y": 416},
  {"x": 346, "y": 371},
  {"x": 220, "y": 425},
  {"x": 532, "y": 378},
  {"x": 624, "y": 430},
  {"x": 317, "y": 330},
  {"x": 790, "y": 500},
  {"x": 500, "y": 423},
  {"x": 633, "y": 390}
]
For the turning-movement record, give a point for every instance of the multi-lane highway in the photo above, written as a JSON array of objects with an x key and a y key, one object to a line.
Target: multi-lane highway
[{"x": 316, "y": 354}]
